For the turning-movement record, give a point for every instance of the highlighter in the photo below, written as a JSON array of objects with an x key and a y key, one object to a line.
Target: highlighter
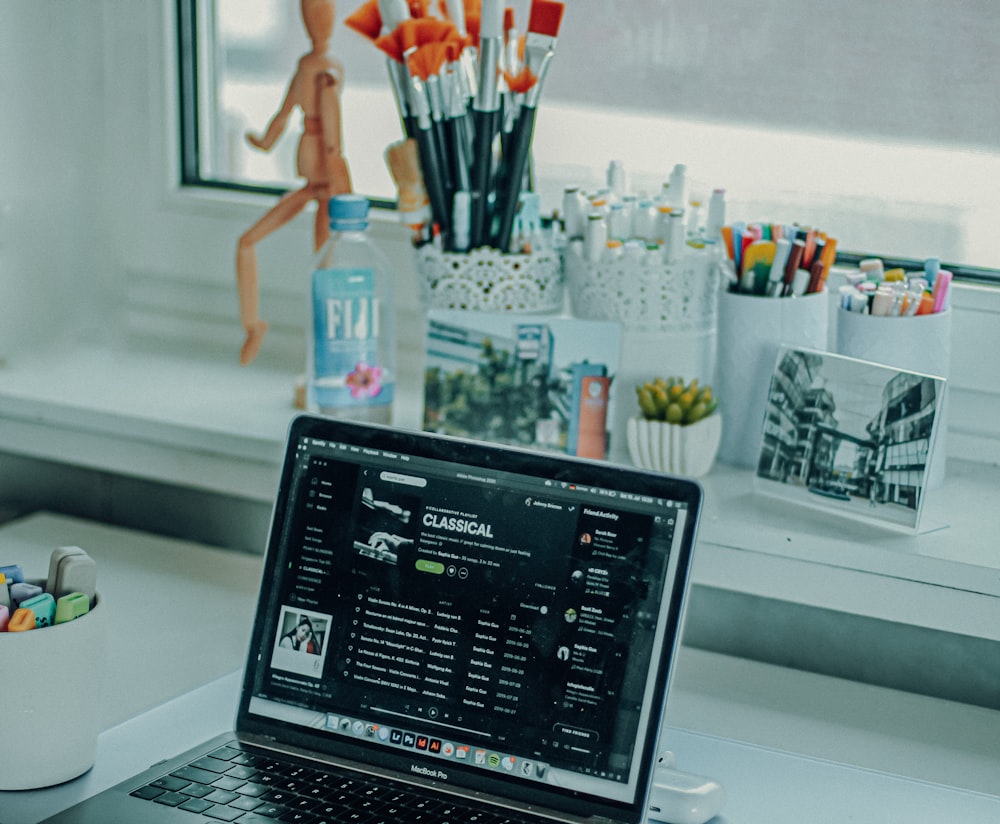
[
  {"x": 882, "y": 301},
  {"x": 21, "y": 621},
  {"x": 940, "y": 290},
  {"x": 13, "y": 573},
  {"x": 776, "y": 277},
  {"x": 43, "y": 607},
  {"x": 872, "y": 268},
  {"x": 71, "y": 606},
  {"x": 932, "y": 266},
  {"x": 22, "y": 592},
  {"x": 914, "y": 291},
  {"x": 792, "y": 267}
]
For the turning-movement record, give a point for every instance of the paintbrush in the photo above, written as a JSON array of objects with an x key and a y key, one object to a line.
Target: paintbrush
[
  {"x": 485, "y": 113},
  {"x": 458, "y": 129},
  {"x": 370, "y": 21},
  {"x": 539, "y": 47},
  {"x": 419, "y": 63},
  {"x": 455, "y": 11}
]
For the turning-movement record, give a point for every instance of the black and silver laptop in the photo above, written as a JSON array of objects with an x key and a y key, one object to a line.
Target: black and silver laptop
[{"x": 447, "y": 631}]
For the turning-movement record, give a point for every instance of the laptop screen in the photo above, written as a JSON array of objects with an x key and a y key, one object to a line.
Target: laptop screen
[{"x": 471, "y": 614}]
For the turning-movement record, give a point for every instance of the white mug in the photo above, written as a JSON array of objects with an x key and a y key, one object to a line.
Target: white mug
[{"x": 51, "y": 680}]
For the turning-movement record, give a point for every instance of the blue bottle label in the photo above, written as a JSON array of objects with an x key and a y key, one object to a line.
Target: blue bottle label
[{"x": 346, "y": 316}]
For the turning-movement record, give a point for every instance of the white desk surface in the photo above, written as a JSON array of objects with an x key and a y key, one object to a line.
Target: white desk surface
[
  {"x": 763, "y": 786},
  {"x": 196, "y": 603}
]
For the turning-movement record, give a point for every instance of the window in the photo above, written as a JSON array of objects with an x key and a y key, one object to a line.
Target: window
[{"x": 877, "y": 126}]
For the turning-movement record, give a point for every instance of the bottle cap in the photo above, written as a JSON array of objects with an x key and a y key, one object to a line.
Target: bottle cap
[{"x": 348, "y": 212}]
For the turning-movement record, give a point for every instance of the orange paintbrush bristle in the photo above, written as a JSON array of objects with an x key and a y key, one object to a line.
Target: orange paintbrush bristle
[
  {"x": 366, "y": 21},
  {"x": 427, "y": 59},
  {"x": 435, "y": 54},
  {"x": 419, "y": 8},
  {"x": 390, "y": 44},
  {"x": 545, "y": 17},
  {"x": 520, "y": 82},
  {"x": 412, "y": 33},
  {"x": 432, "y": 30},
  {"x": 472, "y": 27},
  {"x": 407, "y": 34},
  {"x": 508, "y": 19}
]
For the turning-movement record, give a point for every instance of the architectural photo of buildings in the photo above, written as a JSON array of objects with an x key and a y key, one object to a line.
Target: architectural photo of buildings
[{"x": 849, "y": 435}]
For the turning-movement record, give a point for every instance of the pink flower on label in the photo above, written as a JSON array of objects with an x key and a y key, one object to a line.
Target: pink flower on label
[{"x": 364, "y": 381}]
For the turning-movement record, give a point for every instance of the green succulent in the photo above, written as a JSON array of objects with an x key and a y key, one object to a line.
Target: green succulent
[{"x": 673, "y": 401}]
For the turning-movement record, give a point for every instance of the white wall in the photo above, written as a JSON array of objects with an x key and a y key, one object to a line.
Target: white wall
[{"x": 51, "y": 96}]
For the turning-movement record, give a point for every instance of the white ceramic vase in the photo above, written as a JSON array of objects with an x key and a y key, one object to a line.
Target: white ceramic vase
[{"x": 672, "y": 448}]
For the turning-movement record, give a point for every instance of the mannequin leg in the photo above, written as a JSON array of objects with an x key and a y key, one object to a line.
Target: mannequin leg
[{"x": 246, "y": 269}]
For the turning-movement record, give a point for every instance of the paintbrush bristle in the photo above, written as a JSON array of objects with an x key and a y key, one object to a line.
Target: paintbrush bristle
[
  {"x": 419, "y": 8},
  {"x": 427, "y": 59},
  {"x": 472, "y": 27},
  {"x": 545, "y": 17},
  {"x": 432, "y": 30},
  {"x": 366, "y": 21},
  {"x": 520, "y": 82},
  {"x": 389, "y": 44}
]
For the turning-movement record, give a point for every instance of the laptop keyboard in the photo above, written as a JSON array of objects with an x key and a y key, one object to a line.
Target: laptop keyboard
[{"x": 233, "y": 784}]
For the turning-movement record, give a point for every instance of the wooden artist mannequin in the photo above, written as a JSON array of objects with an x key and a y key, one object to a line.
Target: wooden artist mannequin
[{"x": 314, "y": 88}]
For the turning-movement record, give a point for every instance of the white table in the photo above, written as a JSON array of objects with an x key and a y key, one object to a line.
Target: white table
[
  {"x": 730, "y": 719},
  {"x": 763, "y": 786}
]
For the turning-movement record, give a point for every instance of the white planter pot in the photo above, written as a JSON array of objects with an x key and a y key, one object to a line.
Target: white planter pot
[{"x": 672, "y": 448}]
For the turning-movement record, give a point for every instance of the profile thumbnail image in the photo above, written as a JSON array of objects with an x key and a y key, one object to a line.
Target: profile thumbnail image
[
  {"x": 387, "y": 523},
  {"x": 300, "y": 641}
]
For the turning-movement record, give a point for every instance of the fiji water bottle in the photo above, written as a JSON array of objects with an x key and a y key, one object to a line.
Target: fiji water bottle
[{"x": 351, "y": 346}]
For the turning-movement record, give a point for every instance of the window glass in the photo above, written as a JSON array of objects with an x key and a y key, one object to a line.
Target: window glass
[{"x": 877, "y": 123}]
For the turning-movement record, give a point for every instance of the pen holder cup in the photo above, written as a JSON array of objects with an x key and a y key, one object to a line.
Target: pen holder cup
[
  {"x": 752, "y": 329},
  {"x": 916, "y": 344},
  {"x": 488, "y": 280},
  {"x": 669, "y": 317},
  {"x": 51, "y": 691}
]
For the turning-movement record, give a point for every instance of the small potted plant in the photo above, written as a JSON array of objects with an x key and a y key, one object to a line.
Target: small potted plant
[{"x": 677, "y": 430}]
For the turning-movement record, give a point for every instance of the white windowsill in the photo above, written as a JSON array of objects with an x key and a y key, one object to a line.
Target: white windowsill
[{"x": 197, "y": 419}]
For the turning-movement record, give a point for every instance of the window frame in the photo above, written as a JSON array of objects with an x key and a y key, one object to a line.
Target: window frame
[{"x": 193, "y": 89}]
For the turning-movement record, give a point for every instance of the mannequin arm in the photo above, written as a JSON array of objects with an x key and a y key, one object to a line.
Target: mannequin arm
[{"x": 278, "y": 122}]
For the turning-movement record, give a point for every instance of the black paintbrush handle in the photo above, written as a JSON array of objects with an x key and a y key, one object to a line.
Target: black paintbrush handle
[
  {"x": 510, "y": 193},
  {"x": 482, "y": 172},
  {"x": 433, "y": 182},
  {"x": 458, "y": 154},
  {"x": 444, "y": 161}
]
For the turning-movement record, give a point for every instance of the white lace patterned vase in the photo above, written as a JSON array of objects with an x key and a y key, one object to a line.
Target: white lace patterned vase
[
  {"x": 673, "y": 448},
  {"x": 487, "y": 280}
]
